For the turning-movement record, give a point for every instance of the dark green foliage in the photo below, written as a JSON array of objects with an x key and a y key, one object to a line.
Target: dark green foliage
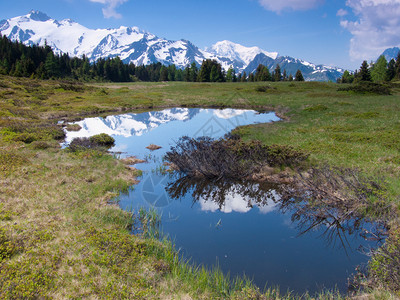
[
  {"x": 397, "y": 66},
  {"x": 16, "y": 59},
  {"x": 299, "y": 76},
  {"x": 251, "y": 77},
  {"x": 277, "y": 73},
  {"x": 264, "y": 88},
  {"x": 210, "y": 71},
  {"x": 262, "y": 74},
  {"x": 364, "y": 74},
  {"x": 368, "y": 87},
  {"x": 391, "y": 70}
]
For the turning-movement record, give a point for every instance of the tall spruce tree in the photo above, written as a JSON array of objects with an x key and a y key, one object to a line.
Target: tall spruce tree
[
  {"x": 193, "y": 72},
  {"x": 397, "y": 66},
  {"x": 277, "y": 73},
  {"x": 299, "y": 76},
  {"x": 364, "y": 74},
  {"x": 391, "y": 70},
  {"x": 244, "y": 77}
]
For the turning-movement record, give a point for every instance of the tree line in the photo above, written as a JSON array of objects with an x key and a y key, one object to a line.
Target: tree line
[
  {"x": 380, "y": 71},
  {"x": 17, "y": 59}
]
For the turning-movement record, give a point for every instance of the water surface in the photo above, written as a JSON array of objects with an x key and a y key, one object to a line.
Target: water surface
[{"x": 245, "y": 228}]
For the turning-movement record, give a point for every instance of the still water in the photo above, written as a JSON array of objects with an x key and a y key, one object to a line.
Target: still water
[{"x": 245, "y": 228}]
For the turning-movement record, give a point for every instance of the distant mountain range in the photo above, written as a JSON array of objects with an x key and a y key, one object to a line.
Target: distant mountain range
[{"x": 134, "y": 45}]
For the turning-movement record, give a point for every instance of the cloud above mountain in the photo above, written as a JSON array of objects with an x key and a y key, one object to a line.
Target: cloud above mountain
[
  {"x": 376, "y": 27},
  {"x": 279, "y": 6},
  {"x": 109, "y": 11}
]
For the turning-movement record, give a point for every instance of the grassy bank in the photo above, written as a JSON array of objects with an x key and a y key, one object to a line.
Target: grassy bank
[{"x": 59, "y": 235}]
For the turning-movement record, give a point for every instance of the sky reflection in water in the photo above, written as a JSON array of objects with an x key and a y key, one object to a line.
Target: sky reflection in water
[{"x": 245, "y": 228}]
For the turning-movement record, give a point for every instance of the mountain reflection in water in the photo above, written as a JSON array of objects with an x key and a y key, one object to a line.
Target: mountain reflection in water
[{"x": 245, "y": 228}]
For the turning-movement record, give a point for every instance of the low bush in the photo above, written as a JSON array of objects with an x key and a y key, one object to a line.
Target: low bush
[
  {"x": 365, "y": 87},
  {"x": 100, "y": 142},
  {"x": 264, "y": 88},
  {"x": 229, "y": 157}
]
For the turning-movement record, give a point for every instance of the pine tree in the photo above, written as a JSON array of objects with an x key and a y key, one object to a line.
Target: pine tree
[
  {"x": 290, "y": 77},
  {"x": 51, "y": 66},
  {"x": 277, "y": 73},
  {"x": 163, "y": 74},
  {"x": 397, "y": 66},
  {"x": 214, "y": 76},
  {"x": 265, "y": 75},
  {"x": 364, "y": 74},
  {"x": 299, "y": 76},
  {"x": 193, "y": 72},
  {"x": 391, "y": 70},
  {"x": 251, "y": 77},
  {"x": 171, "y": 72},
  {"x": 244, "y": 77},
  {"x": 284, "y": 75},
  {"x": 186, "y": 74}
]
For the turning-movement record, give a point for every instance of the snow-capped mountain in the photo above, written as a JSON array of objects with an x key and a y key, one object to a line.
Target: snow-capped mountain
[
  {"x": 140, "y": 47},
  {"x": 227, "y": 52},
  {"x": 310, "y": 71}
]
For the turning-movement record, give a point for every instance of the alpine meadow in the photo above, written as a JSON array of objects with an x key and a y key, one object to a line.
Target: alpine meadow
[{"x": 139, "y": 167}]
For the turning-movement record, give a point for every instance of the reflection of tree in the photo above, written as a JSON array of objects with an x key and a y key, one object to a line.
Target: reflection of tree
[
  {"x": 308, "y": 212},
  {"x": 218, "y": 190}
]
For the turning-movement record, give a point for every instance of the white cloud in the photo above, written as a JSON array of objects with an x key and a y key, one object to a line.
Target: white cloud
[
  {"x": 280, "y": 5},
  {"x": 342, "y": 12},
  {"x": 110, "y": 6},
  {"x": 377, "y": 27}
]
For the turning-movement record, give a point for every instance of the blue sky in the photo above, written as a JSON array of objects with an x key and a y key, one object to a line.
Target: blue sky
[{"x": 333, "y": 32}]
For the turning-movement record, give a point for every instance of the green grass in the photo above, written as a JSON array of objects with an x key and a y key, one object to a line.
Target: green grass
[{"x": 60, "y": 237}]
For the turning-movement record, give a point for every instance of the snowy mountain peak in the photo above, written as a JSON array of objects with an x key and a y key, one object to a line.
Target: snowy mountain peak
[
  {"x": 133, "y": 45},
  {"x": 38, "y": 16},
  {"x": 239, "y": 52}
]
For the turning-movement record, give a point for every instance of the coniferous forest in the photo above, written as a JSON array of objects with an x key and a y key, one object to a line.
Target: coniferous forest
[{"x": 17, "y": 59}]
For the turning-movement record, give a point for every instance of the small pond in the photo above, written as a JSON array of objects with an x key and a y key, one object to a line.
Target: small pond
[{"x": 243, "y": 227}]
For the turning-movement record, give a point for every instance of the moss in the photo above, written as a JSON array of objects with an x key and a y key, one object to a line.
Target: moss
[
  {"x": 10, "y": 161},
  {"x": 27, "y": 279},
  {"x": 317, "y": 107}
]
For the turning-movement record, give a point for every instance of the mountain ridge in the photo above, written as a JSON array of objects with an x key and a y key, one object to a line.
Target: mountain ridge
[{"x": 134, "y": 45}]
